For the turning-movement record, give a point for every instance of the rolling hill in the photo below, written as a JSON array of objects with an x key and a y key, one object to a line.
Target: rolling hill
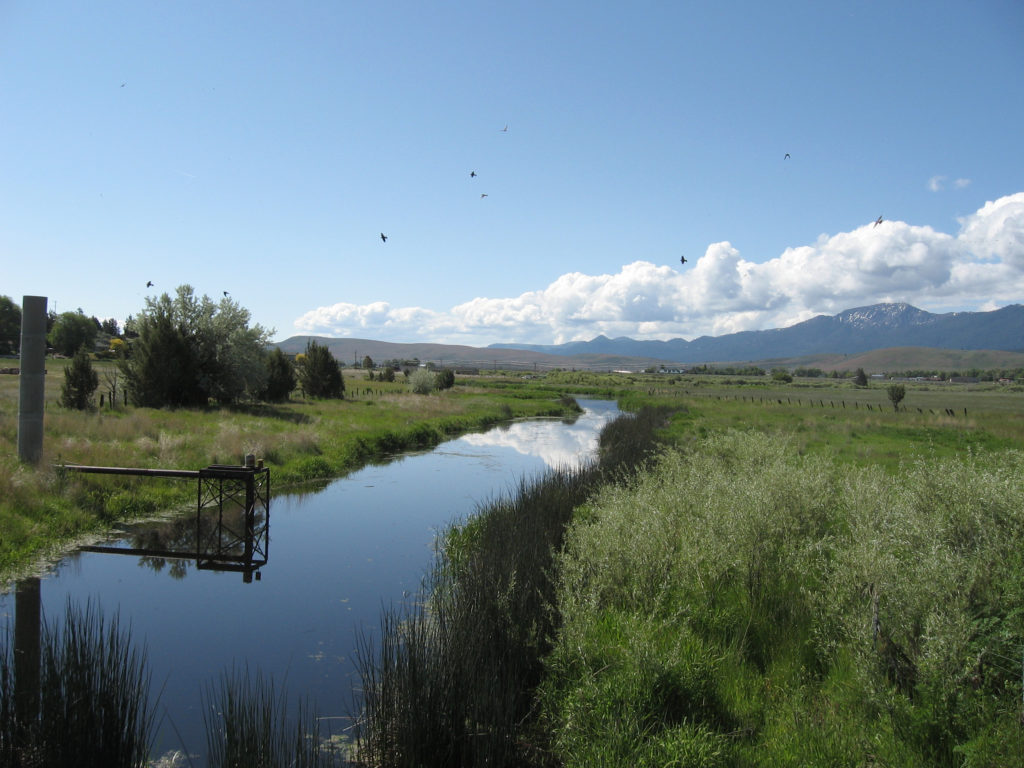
[{"x": 877, "y": 338}]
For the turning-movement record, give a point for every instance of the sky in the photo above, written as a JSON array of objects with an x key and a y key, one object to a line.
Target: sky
[{"x": 263, "y": 149}]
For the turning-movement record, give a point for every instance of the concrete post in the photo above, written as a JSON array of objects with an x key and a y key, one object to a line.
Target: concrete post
[{"x": 32, "y": 379}]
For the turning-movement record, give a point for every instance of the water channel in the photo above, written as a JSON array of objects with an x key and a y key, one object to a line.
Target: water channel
[{"x": 335, "y": 558}]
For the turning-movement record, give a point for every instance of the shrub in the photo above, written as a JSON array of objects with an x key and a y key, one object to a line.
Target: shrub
[
  {"x": 80, "y": 382},
  {"x": 445, "y": 379},
  {"x": 281, "y": 377},
  {"x": 423, "y": 381},
  {"x": 896, "y": 393}
]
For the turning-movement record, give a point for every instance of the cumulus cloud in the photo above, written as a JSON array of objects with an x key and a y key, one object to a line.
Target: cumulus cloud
[{"x": 980, "y": 267}]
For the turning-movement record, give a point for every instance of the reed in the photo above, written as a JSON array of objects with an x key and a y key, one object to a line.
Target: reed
[
  {"x": 248, "y": 723},
  {"x": 94, "y": 706}
]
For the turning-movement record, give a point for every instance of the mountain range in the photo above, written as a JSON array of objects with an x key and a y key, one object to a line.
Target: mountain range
[
  {"x": 825, "y": 341},
  {"x": 852, "y": 331}
]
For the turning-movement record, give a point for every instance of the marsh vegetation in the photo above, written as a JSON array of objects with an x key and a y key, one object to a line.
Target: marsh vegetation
[{"x": 754, "y": 573}]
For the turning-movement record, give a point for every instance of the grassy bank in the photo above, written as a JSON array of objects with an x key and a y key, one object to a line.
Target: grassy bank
[
  {"x": 300, "y": 440},
  {"x": 452, "y": 679},
  {"x": 742, "y": 605}
]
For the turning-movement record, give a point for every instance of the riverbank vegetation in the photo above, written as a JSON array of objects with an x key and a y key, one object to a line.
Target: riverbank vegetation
[
  {"x": 87, "y": 703},
  {"x": 788, "y": 583},
  {"x": 743, "y": 605}
]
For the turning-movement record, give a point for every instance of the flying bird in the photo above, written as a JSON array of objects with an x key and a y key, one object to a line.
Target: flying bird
[
  {"x": 472, "y": 174},
  {"x": 383, "y": 237},
  {"x": 483, "y": 195},
  {"x": 682, "y": 259},
  {"x": 786, "y": 157},
  {"x": 123, "y": 84},
  {"x": 878, "y": 221},
  {"x": 225, "y": 293},
  {"x": 505, "y": 129},
  {"x": 149, "y": 283}
]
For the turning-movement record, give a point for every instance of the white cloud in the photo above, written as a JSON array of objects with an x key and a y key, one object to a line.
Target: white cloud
[
  {"x": 982, "y": 266},
  {"x": 938, "y": 183}
]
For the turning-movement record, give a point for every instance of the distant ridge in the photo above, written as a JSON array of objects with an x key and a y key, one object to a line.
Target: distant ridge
[
  {"x": 350, "y": 351},
  {"x": 852, "y": 331},
  {"x": 924, "y": 340}
]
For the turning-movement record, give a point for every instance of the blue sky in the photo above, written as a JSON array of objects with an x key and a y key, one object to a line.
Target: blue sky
[{"x": 261, "y": 148}]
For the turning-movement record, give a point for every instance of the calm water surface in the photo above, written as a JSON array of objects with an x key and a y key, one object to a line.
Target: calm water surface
[{"x": 336, "y": 557}]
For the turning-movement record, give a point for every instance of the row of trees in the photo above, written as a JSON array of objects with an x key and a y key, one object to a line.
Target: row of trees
[
  {"x": 187, "y": 350},
  {"x": 66, "y": 333}
]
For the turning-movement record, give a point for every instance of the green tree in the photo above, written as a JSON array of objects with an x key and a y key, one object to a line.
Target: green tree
[
  {"x": 319, "y": 374},
  {"x": 896, "y": 393},
  {"x": 71, "y": 331},
  {"x": 109, "y": 326},
  {"x": 10, "y": 326},
  {"x": 860, "y": 378},
  {"x": 80, "y": 382},
  {"x": 388, "y": 374},
  {"x": 781, "y": 375},
  {"x": 368, "y": 363},
  {"x": 190, "y": 350},
  {"x": 280, "y": 376},
  {"x": 160, "y": 367},
  {"x": 446, "y": 379}
]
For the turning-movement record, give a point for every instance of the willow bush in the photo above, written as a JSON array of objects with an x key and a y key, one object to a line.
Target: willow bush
[{"x": 740, "y": 604}]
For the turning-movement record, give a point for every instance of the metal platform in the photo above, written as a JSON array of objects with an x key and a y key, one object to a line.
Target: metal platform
[{"x": 232, "y": 523}]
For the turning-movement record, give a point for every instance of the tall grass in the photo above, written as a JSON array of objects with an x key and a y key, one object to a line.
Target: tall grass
[
  {"x": 451, "y": 679},
  {"x": 248, "y": 724},
  {"x": 742, "y": 605},
  {"x": 93, "y": 698}
]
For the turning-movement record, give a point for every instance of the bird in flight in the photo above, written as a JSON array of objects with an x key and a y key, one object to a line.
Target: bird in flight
[
  {"x": 383, "y": 237},
  {"x": 682, "y": 259},
  {"x": 472, "y": 174},
  {"x": 878, "y": 221},
  {"x": 149, "y": 283},
  {"x": 225, "y": 293},
  {"x": 786, "y": 157},
  {"x": 505, "y": 129},
  {"x": 483, "y": 195},
  {"x": 123, "y": 84}
]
